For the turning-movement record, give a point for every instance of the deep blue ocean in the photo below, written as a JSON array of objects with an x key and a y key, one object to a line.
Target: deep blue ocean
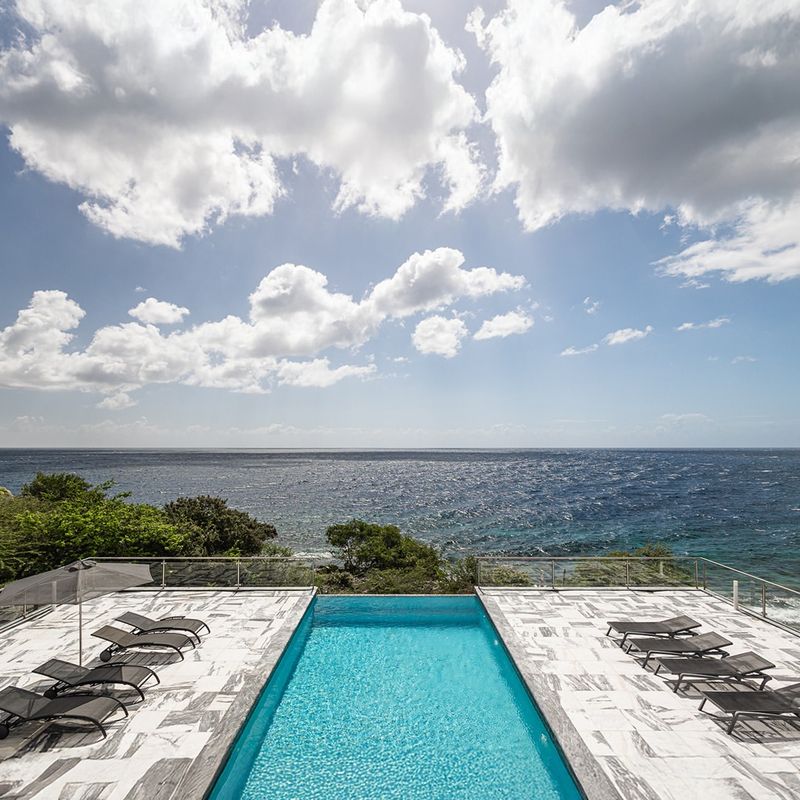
[{"x": 741, "y": 507}]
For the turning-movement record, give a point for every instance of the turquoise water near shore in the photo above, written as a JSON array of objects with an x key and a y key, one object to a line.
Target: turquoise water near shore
[{"x": 737, "y": 506}]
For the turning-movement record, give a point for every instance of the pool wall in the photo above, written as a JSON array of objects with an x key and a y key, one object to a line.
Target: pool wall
[{"x": 586, "y": 772}]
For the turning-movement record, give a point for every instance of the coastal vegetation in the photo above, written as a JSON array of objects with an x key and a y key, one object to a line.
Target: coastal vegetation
[{"x": 60, "y": 517}]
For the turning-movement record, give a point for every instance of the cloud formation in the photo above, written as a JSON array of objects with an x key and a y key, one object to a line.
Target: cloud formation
[
  {"x": 514, "y": 322},
  {"x": 439, "y": 336},
  {"x": 579, "y": 351},
  {"x": 625, "y": 335},
  {"x": 696, "y": 326},
  {"x": 169, "y": 117},
  {"x": 158, "y": 312},
  {"x": 691, "y": 107},
  {"x": 294, "y": 317}
]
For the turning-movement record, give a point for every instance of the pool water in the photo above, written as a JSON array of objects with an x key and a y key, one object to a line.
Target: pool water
[{"x": 377, "y": 698}]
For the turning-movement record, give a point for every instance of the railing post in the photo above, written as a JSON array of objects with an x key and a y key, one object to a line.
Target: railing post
[
  {"x": 705, "y": 581},
  {"x": 763, "y": 599},
  {"x": 696, "y": 576},
  {"x": 163, "y": 574},
  {"x": 238, "y": 573},
  {"x": 479, "y": 575},
  {"x": 553, "y": 573},
  {"x": 736, "y": 595},
  {"x": 627, "y": 573}
]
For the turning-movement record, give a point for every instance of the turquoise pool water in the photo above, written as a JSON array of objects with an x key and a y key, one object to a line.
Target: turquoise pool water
[{"x": 384, "y": 698}]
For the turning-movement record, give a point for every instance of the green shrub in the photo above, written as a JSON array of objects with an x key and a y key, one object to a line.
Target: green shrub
[
  {"x": 5, "y": 494},
  {"x": 365, "y": 546},
  {"x": 218, "y": 529},
  {"x": 75, "y": 529},
  {"x": 57, "y": 486}
]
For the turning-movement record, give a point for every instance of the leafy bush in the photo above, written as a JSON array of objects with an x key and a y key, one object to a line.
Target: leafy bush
[
  {"x": 75, "y": 529},
  {"x": 58, "y": 486},
  {"x": 5, "y": 494},
  {"x": 218, "y": 529},
  {"x": 365, "y": 546}
]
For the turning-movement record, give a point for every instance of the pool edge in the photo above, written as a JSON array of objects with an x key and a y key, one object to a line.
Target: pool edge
[
  {"x": 588, "y": 774},
  {"x": 199, "y": 779}
]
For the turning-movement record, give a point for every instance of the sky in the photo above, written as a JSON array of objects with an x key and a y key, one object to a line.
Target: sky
[{"x": 428, "y": 223}]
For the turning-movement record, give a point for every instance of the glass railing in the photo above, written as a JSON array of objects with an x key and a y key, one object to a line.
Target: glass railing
[
  {"x": 583, "y": 572},
  {"x": 265, "y": 572}
]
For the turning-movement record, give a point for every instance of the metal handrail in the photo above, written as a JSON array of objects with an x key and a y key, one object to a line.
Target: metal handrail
[{"x": 765, "y": 581}]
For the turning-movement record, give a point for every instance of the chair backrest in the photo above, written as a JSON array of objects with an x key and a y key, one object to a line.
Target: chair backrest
[
  {"x": 708, "y": 641},
  {"x": 748, "y": 662},
  {"x": 62, "y": 671},
  {"x": 682, "y": 623},
  {"x": 132, "y": 618},
  {"x": 113, "y": 635},
  {"x": 21, "y": 703}
]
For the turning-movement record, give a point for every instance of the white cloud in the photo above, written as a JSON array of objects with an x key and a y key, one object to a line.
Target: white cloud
[
  {"x": 743, "y": 360},
  {"x": 318, "y": 373},
  {"x": 696, "y": 326},
  {"x": 684, "y": 419},
  {"x": 294, "y": 317},
  {"x": 591, "y": 306},
  {"x": 665, "y": 105},
  {"x": 579, "y": 351},
  {"x": 514, "y": 322},
  {"x": 158, "y": 312},
  {"x": 169, "y": 117},
  {"x": 439, "y": 336},
  {"x": 763, "y": 243},
  {"x": 625, "y": 335},
  {"x": 117, "y": 402}
]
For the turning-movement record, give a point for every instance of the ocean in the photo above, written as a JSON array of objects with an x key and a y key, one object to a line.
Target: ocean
[{"x": 741, "y": 507}]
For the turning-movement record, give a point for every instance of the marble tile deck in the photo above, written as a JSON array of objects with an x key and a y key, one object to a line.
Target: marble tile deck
[
  {"x": 626, "y": 732},
  {"x": 189, "y": 719}
]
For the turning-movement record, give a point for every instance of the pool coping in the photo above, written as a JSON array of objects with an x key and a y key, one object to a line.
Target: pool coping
[
  {"x": 199, "y": 778},
  {"x": 589, "y": 775}
]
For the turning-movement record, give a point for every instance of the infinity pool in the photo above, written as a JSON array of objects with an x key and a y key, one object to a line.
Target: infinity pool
[{"x": 383, "y": 698}]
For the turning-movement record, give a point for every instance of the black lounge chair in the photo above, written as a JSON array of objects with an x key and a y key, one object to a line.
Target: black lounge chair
[
  {"x": 733, "y": 669},
  {"x": 122, "y": 640},
  {"x": 144, "y": 624},
  {"x": 70, "y": 676},
  {"x": 21, "y": 706},
  {"x": 675, "y": 626},
  {"x": 781, "y": 703},
  {"x": 702, "y": 645}
]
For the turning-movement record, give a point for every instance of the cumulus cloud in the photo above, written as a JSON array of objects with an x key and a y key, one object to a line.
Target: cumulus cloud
[
  {"x": 625, "y": 335},
  {"x": 664, "y": 105},
  {"x": 294, "y": 317},
  {"x": 439, "y": 336},
  {"x": 579, "y": 351},
  {"x": 158, "y": 312},
  {"x": 514, "y": 322},
  {"x": 743, "y": 360},
  {"x": 169, "y": 117},
  {"x": 117, "y": 402},
  {"x": 718, "y": 322}
]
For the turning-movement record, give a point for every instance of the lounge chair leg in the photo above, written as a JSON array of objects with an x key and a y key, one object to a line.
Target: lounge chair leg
[
  {"x": 678, "y": 684},
  {"x": 646, "y": 660},
  {"x": 702, "y": 703},
  {"x": 731, "y": 724}
]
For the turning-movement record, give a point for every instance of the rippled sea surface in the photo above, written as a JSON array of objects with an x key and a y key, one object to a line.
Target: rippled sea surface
[{"x": 737, "y": 506}]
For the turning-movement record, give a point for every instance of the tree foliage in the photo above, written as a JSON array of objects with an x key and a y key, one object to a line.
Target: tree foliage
[
  {"x": 57, "y": 486},
  {"x": 217, "y": 528}
]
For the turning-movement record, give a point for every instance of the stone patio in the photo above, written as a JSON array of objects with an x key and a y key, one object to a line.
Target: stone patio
[
  {"x": 192, "y": 716},
  {"x": 649, "y": 743}
]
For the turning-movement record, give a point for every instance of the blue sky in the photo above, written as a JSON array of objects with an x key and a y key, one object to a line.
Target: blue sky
[{"x": 555, "y": 201}]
